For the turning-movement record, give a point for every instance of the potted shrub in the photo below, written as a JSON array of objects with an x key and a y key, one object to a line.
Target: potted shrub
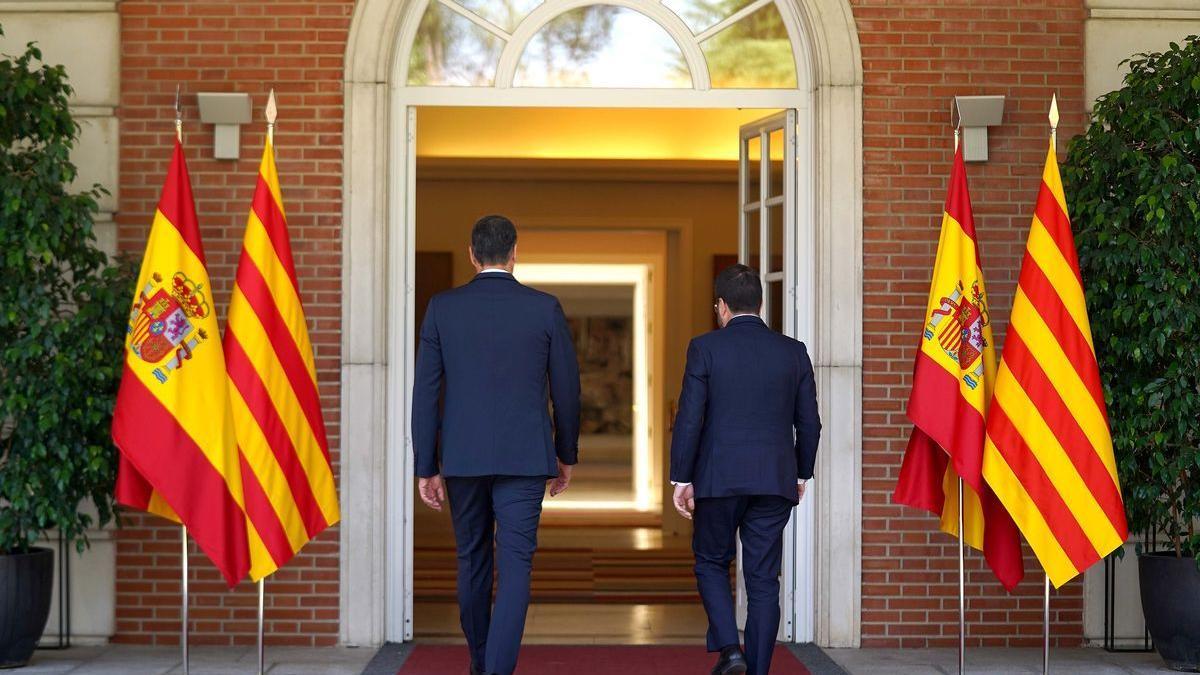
[
  {"x": 1132, "y": 184},
  {"x": 62, "y": 320}
]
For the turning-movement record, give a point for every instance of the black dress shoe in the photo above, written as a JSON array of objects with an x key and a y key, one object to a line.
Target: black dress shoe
[{"x": 732, "y": 662}]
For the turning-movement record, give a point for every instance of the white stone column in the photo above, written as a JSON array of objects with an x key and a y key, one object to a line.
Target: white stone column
[
  {"x": 85, "y": 37},
  {"x": 364, "y": 467},
  {"x": 1117, "y": 29},
  {"x": 92, "y": 589},
  {"x": 367, "y": 415}
]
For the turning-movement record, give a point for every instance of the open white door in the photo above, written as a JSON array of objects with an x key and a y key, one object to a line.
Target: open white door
[{"x": 766, "y": 242}]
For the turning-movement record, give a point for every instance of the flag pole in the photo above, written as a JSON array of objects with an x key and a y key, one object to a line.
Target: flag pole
[
  {"x": 1046, "y": 627},
  {"x": 271, "y": 111},
  {"x": 261, "y": 597},
  {"x": 962, "y": 586},
  {"x": 183, "y": 638},
  {"x": 963, "y": 595},
  {"x": 183, "y": 567},
  {"x": 1053, "y": 116}
]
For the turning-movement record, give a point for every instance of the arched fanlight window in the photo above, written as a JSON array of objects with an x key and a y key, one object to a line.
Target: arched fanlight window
[
  {"x": 743, "y": 43},
  {"x": 602, "y": 46}
]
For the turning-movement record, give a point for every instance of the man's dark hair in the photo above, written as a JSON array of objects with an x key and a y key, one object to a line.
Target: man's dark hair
[
  {"x": 493, "y": 239},
  {"x": 740, "y": 288}
]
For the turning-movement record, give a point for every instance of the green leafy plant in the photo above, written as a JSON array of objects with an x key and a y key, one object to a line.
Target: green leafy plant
[
  {"x": 62, "y": 319},
  {"x": 1131, "y": 184}
]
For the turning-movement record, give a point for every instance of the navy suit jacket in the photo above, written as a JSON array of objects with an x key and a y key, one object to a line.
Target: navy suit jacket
[
  {"x": 747, "y": 421},
  {"x": 500, "y": 352}
]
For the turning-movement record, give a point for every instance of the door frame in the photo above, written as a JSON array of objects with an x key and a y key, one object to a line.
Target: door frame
[{"x": 377, "y": 242}]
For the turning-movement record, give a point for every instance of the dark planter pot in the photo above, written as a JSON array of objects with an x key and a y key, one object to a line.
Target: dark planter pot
[
  {"x": 1171, "y": 605},
  {"x": 25, "y": 585}
]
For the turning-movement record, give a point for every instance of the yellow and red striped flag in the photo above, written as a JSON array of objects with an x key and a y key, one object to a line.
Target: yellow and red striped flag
[
  {"x": 1049, "y": 453},
  {"x": 178, "y": 456},
  {"x": 290, "y": 491},
  {"x": 952, "y": 384}
]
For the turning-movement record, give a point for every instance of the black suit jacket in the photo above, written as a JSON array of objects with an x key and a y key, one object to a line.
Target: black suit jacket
[
  {"x": 747, "y": 421},
  {"x": 500, "y": 352}
]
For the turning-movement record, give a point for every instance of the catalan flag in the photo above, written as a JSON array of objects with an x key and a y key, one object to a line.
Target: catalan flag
[
  {"x": 952, "y": 385},
  {"x": 1049, "y": 453},
  {"x": 172, "y": 425},
  {"x": 290, "y": 492}
]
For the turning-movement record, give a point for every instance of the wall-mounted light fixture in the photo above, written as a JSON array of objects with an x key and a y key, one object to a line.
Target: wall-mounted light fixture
[
  {"x": 228, "y": 111},
  {"x": 974, "y": 114}
]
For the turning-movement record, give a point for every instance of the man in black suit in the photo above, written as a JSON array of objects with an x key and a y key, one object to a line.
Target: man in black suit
[
  {"x": 744, "y": 446},
  {"x": 494, "y": 349}
]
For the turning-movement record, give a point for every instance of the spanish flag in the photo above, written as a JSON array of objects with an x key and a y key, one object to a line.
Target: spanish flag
[
  {"x": 178, "y": 455},
  {"x": 290, "y": 491},
  {"x": 952, "y": 384},
  {"x": 1049, "y": 454}
]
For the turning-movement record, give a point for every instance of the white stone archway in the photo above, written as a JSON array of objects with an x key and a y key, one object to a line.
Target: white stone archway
[{"x": 375, "y": 282}]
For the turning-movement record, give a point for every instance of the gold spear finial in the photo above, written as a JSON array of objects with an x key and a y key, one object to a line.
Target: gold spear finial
[
  {"x": 178, "y": 116},
  {"x": 272, "y": 113},
  {"x": 955, "y": 121},
  {"x": 1054, "y": 117}
]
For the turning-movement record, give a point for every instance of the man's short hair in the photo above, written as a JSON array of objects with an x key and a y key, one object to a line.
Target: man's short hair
[
  {"x": 493, "y": 239},
  {"x": 740, "y": 288}
]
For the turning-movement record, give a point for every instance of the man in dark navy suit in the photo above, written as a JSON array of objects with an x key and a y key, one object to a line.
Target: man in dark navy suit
[
  {"x": 745, "y": 442},
  {"x": 498, "y": 353}
]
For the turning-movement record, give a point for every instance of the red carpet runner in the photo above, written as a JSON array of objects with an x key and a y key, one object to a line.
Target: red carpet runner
[{"x": 590, "y": 660}]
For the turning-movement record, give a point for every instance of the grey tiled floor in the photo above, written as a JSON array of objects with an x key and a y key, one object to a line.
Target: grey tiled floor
[
  {"x": 1092, "y": 661},
  {"x": 135, "y": 660}
]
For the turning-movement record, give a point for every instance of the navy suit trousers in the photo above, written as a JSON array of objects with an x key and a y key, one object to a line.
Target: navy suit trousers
[
  {"x": 497, "y": 513},
  {"x": 759, "y": 520}
]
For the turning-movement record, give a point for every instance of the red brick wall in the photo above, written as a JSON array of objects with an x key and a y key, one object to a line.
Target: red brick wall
[
  {"x": 916, "y": 57},
  {"x": 236, "y": 45}
]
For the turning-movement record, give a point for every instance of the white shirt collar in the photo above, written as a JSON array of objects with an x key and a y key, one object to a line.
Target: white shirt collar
[{"x": 494, "y": 269}]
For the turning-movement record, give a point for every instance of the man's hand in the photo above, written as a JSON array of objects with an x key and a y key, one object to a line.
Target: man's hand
[
  {"x": 432, "y": 492},
  {"x": 560, "y": 484},
  {"x": 800, "y": 491},
  {"x": 685, "y": 500}
]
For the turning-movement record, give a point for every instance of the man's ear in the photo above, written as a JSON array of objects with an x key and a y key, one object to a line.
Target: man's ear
[{"x": 471, "y": 256}]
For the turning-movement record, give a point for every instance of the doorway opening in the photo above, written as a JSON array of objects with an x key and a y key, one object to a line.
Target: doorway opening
[{"x": 625, "y": 215}]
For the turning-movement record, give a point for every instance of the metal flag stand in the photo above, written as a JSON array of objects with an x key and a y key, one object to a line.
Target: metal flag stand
[
  {"x": 1046, "y": 627},
  {"x": 261, "y": 596},
  {"x": 1046, "y": 583},
  {"x": 962, "y": 586},
  {"x": 272, "y": 112},
  {"x": 183, "y": 631}
]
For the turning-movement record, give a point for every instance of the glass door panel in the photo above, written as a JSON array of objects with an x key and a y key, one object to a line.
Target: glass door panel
[{"x": 767, "y": 213}]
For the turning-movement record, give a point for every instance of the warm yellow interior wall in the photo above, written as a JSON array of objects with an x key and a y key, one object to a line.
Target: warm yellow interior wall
[
  {"x": 575, "y": 133},
  {"x": 697, "y": 219},
  {"x": 700, "y": 219}
]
